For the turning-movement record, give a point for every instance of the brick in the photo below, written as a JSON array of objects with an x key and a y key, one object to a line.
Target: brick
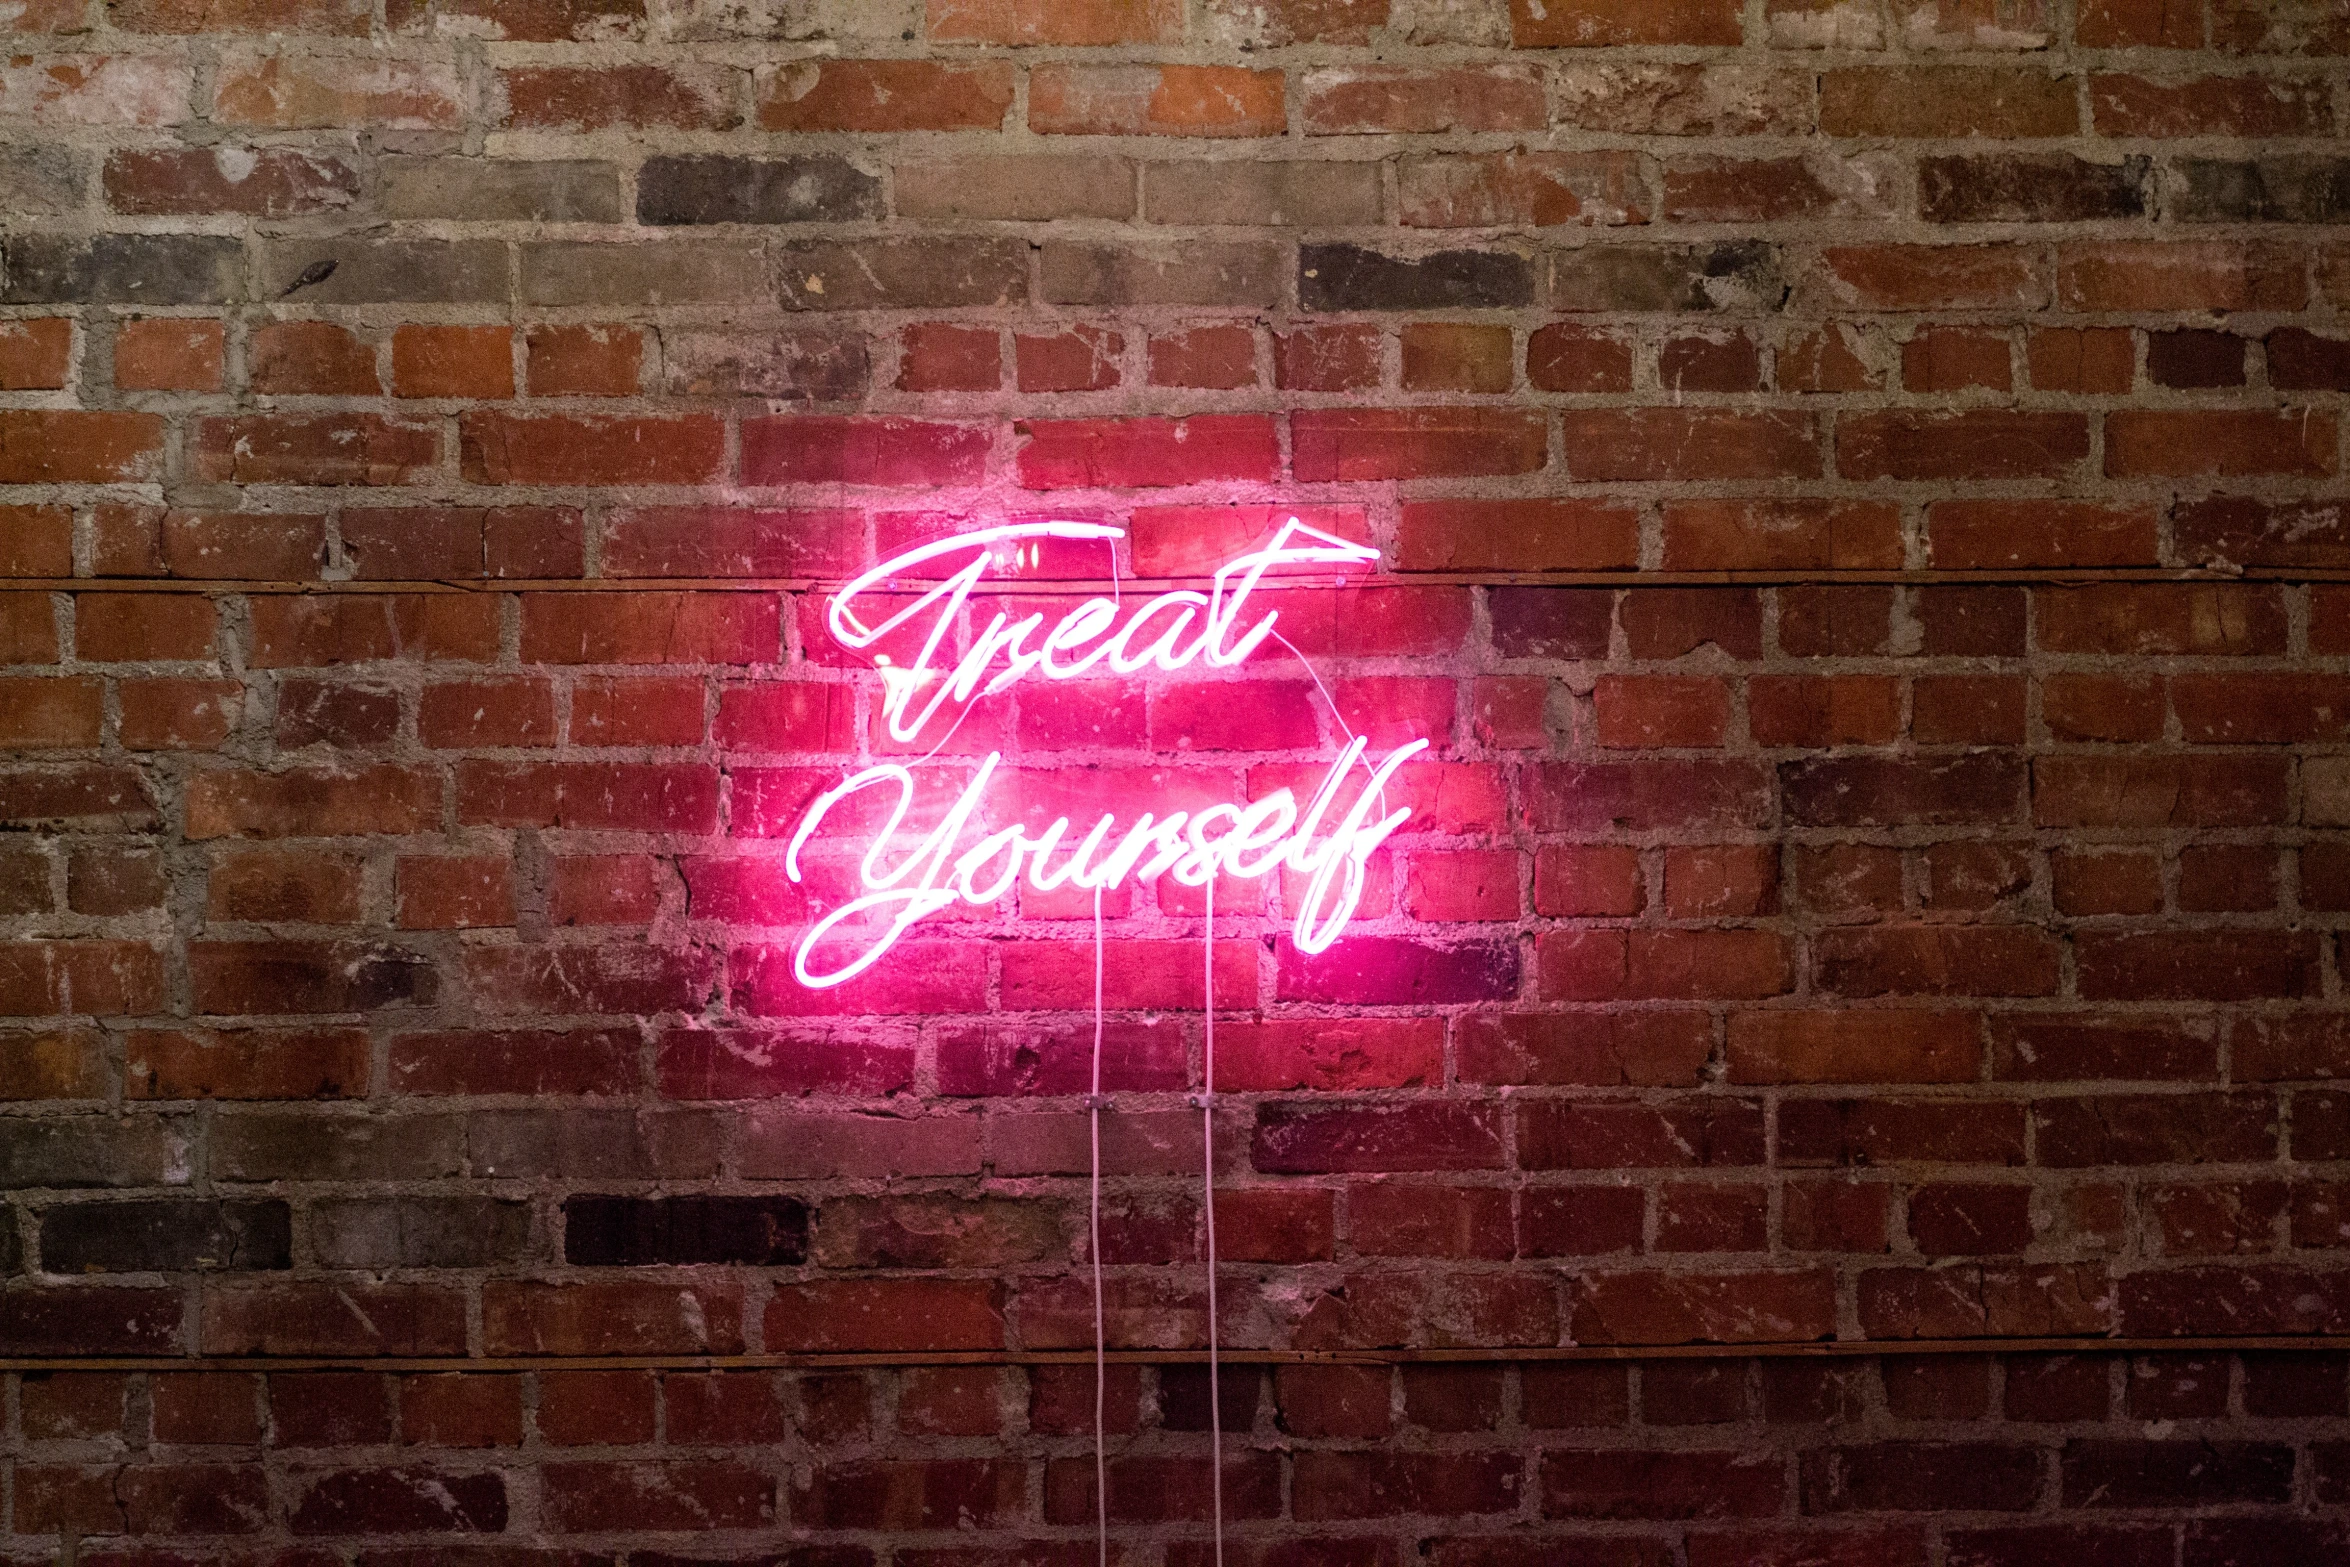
[
  {"x": 453, "y": 361},
  {"x": 2210, "y": 621},
  {"x": 1564, "y": 357},
  {"x": 2245, "y": 106},
  {"x": 2218, "y": 965},
  {"x": 1555, "y": 535},
  {"x": 1843, "y": 622},
  {"x": 1171, "y": 100},
  {"x": 939, "y": 357},
  {"x": 714, "y": 189},
  {"x": 1921, "y": 1477},
  {"x": 302, "y": 803},
  {"x": 171, "y": 1236},
  {"x": 302, "y": 92},
  {"x": 1069, "y": 453},
  {"x": 1972, "y": 445},
  {"x": 273, "y": 182},
  {"x": 1199, "y": 272},
  {"x": 1870, "y": 791},
  {"x": 332, "y": 1319},
  {"x": 245, "y": 1064},
  {"x": 75, "y": 446},
  {"x": 1946, "y": 101},
  {"x": 2089, "y": 360},
  {"x": 1663, "y": 443},
  {"x": 1621, "y": 1484},
  {"x": 1023, "y": 187},
  {"x": 1351, "y": 277},
  {"x": 61, "y": 1065},
  {"x": 2226, "y": 444},
  {"x": 1591, "y": 23},
  {"x": 448, "y": 892},
  {"x": 1083, "y": 359},
  {"x": 35, "y": 355},
  {"x": 575, "y": 449},
  {"x": 2198, "y": 275},
  {"x": 124, "y": 269},
  {"x": 1766, "y": 190},
  {"x": 670, "y": 1495},
  {"x": 1365, "y": 99},
  {"x": 606, "y": 1318},
  {"x": 1519, "y": 189},
  {"x": 1215, "y": 357},
  {"x": 1938, "y": 960},
  {"x": 584, "y": 99},
  {"x": 168, "y": 355},
  {"x": 2032, "y": 188},
  {"x": 327, "y": 449},
  {"x": 815, "y": 366},
  {"x": 2215, "y": 791},
  {"x": 819, "y": 450},
  {"x": 473, "y": 190},
  {"x": 35, "y": 541},
  {"x": 1345, "y": 444},
  {"x": 583, "y": 361},
  {"x": 546, "y": 21},
  {"x": 1035, "y": 22},
  {"x": 1855, "y": 1046}
]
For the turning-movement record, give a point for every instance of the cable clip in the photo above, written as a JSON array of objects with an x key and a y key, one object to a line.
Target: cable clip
[
  {"x": 1098, "y": 1102},
  {"x": 1199, "y": 1101}
]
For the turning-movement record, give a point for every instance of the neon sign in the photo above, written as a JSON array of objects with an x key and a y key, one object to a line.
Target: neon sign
[{"x": 908, "y": 877}]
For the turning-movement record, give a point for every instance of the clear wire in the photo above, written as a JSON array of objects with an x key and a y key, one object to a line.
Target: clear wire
[
  {"x": 1207, "y": 1113},
  {"x": 1101, "y": 1488}
]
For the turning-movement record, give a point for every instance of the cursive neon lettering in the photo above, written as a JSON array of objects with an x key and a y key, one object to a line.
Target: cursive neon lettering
[{"x": 908, "y": 875}]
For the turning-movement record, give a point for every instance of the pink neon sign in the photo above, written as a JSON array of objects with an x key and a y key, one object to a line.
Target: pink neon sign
[{"x": 909, "y": 877}]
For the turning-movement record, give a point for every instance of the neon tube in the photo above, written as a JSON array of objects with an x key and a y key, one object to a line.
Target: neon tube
[{"x": 907, "y": 880}]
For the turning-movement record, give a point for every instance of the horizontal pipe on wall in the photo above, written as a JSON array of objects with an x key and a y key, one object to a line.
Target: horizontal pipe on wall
[{"x": 885, "y": 1360}]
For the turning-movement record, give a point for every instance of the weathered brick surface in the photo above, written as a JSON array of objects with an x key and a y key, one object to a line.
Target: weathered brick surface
[{"x": 421, "y": 426}]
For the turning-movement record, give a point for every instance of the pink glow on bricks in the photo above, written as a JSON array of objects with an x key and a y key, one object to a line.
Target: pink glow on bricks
[{"x": 1247, "y": 841}]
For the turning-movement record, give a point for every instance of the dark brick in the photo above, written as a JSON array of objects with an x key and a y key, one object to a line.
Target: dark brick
[
  {"x": 2303, "y": 361},
  {"x": 134, "y": 1151},
  {"x": 1349, "y": 277},
  {"x": 419, "y": 1232},
  {"x": 1390, "y": 971},
  {"x": 1867, "y": 791},
  {"x": 2102, "y": 1473},
  {"x": 122, "y": 269},
  {"x": 1550, "y": 622},
  {"x": 1921, "y": 1477},
  {"x": 2034, "y": 188},
  {"x": 35, "y": 178},
  {"x": 490, "y": 190},
  {"x": 2266, "y": 190},
  {"x": 710, "y": 189},
  {"x": 1743, "y": 276},
  {"x": 2266, "y": 1542},
  {"x": 375, "y": 271},
  {"x": 166, "y": 1236},
  {"x": 904, "y": 274},
  {"x": 400, "y": 1501},
  {"x": 641, "y": 1232},
  {"x": 2194, "y": 358},
  {"x": 1183, "y": 1397}
]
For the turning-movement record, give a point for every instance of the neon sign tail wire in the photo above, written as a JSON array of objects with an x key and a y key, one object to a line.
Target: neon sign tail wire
[
  {"x": 1101, "y": 1487},
  {"x": 1207, "y": 1114}
]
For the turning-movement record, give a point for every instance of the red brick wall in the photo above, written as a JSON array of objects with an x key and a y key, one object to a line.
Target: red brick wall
[{"x": 1858, "y": 492}]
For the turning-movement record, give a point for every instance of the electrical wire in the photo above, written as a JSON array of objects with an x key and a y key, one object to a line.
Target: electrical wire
[{"x": 1207, "y": 1113}]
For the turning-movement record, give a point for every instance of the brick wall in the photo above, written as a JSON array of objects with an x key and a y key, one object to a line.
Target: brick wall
[{"x": 1858, "y": 492}]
